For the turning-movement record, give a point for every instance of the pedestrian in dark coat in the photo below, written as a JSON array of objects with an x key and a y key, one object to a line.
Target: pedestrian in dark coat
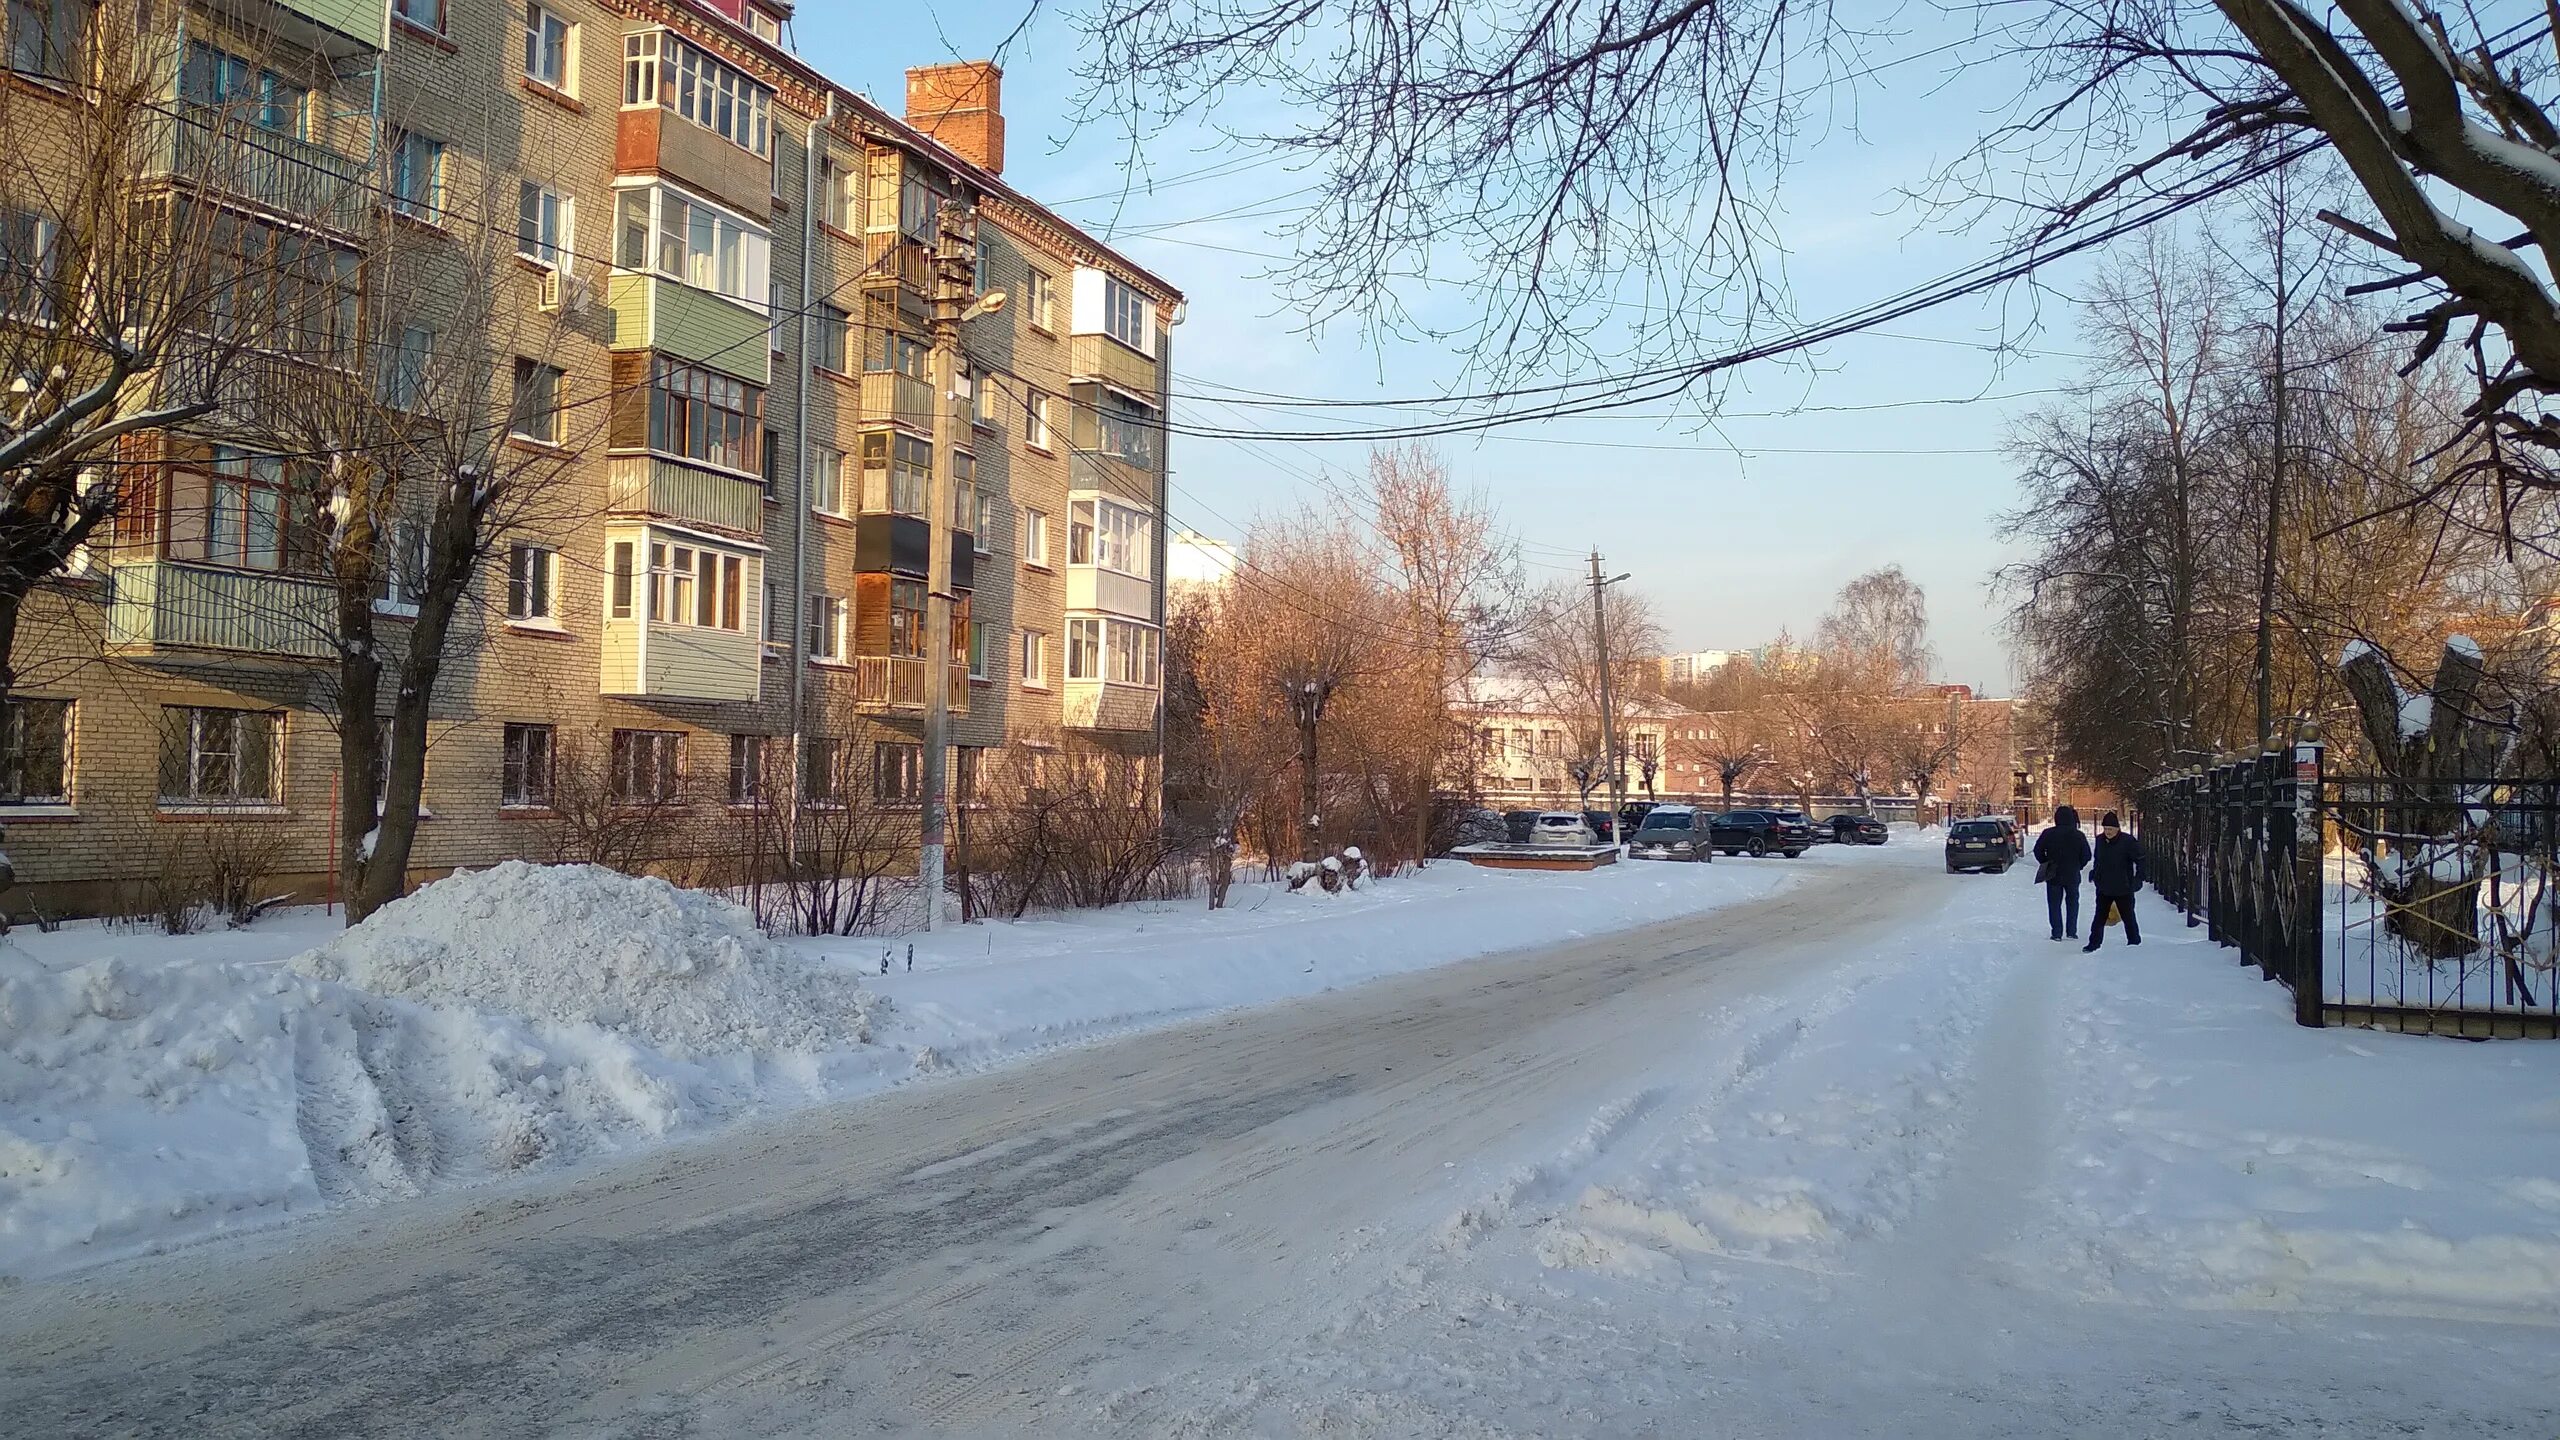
[
  {"x": 2062, "y": 852},
  {"x": 2115, "y": 873}
]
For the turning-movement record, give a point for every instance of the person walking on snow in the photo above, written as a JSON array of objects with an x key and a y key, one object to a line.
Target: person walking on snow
[
  {"x": 2062, "y": 852},
  {"x": 2115, "y": 872}
]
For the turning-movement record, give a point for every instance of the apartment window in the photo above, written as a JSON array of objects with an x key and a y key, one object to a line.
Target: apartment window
[
  {"x": 822, "y": 770},
  {"x": 524, "y": 768},
  {"x": 29, "y": 251},
  {"x": 402, "y": 547},
  {"x": 826, "y": 627},
  {"x": 662, "y": 69},
  {"x": 978, "y": 265},
  {"x": 1035, "y": 420},
  {"x": 897, "y": 470},
  {"x": 49, "y": 38},
  {"x": 1040, "y": 297},
  {"x": 218, "y": 77},
  {"x": 833, "y": 327},
  {"x": 620, "y": 581},
  {"x": 840, "y": 192},
  {"x": 906, "y": 619},
  {"x": 1128, "y": 316},
  {"x": 703, "y": 415},
  {"x": 897, "y": 773},
  {"x": 663, "y": 230},
  {"x": 1035, "y": 536},
  {"x": 403, "y": 382},
  {"x": 775, "y": 443},
  {"x": 919, "y": 208},
  {"x": 1113, "y": 536},
  {"x": 212, "y": 756},
  {"x": 904, "y": 354},
  {"x": 534, "y": 413},
  {"x": 1131, "y": 653},
  {"x": 533, "y": 578},
  {"x": 417, "y": 174},
  {"x": 748, "y": 756},
  {"x": 1035, "y": 659},
  {"x": 278, "y": 288},
  {"x": 982, "y": 528},
  {"x": 425, "y": 14},
  {"x": 1084, "y": 649},
  {"x": 245, "y": 510},
  {"x": 35, "y": 752},
  {"x": 546, "y": 48},
  {"x": 964, "y": 489},
  {"x": 1124, "y": 428},
  {"x": 645, "y": 766},
  {"x": 692, "y": 585},
  {"x": 826, "y": 480},
  {"x": 977, "y": 650},
  {"x": 543, "y": 230}
]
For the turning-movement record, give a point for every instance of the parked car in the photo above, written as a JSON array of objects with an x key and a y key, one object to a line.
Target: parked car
[
  {"x": 1759, "y": 832},
  {"x": 1670, "y": 832},
  {"x": 1561, "y": 827},
  {"x": 1601, "y": 825},
  {"x": 1857, "y": 830},
  {"x": 1820, "y": 830},
  {"x": 1981, "y": 844},
  {"x": 1477, "y": 826},
  {"x": 1631, "y": 815},
  {"x": 1520, "y": 827}
]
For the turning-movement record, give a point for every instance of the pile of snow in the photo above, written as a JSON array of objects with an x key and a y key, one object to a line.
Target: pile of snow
[{"x": 578, "y": 944}]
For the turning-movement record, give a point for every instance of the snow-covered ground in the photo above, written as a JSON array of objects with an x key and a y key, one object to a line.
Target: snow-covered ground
[{"x": 158, "y": 1089}]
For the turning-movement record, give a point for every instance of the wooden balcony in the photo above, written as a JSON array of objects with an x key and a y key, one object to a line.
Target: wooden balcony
[
  {"x": 1099, "y": 357},
  {"x": 898, "y": 399},
  {"x": 889, "y": 682},
  {"x": 891, "y": 259},
  {"x": 652, "y": 312},
  {"x": 178, "y": 610},
  {"x": 665, "y": 489}
]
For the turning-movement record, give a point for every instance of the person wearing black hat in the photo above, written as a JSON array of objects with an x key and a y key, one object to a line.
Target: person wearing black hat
[{"x": 2115, "y": 873}]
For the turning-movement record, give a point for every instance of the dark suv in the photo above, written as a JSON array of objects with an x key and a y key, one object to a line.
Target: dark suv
[
  {"x": 1760, "y": 832},
  {"x": 1981, "y": 845}
]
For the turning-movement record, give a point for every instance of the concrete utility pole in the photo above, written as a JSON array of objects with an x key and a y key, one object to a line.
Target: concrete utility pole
[
  {"x": 954, "y": 273},
  {"x": 1608, "y": 702}
]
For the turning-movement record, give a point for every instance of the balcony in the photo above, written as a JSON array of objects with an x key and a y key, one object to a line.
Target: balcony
[
  {"x": 1103, "y": 705},
  {"x": 220, "y": 153},
  {"x": 172, "y": 609},
  {"x": 1090, "y": 587},
  {"x": 1131, "y": 482},
  {"x": 334, "y": 28},
  {"x": 654, "y": 141},
  {"x": 899, "y": 399},
  {"x": 661, "y": 660},
  {"x": 651, "y": 312},
  {"x": 1099, "y": 357},
  {"x": 666, "y": 489},
  {"x": 889, "y": 682},
  {"x": 892, "y": 261}
]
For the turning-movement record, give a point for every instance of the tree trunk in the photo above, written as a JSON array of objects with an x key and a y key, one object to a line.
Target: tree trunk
[
  {"x": 381, "y": 876},
  {"x": 1310, "y": 820},
  {"x": 2430, "y": 875}
]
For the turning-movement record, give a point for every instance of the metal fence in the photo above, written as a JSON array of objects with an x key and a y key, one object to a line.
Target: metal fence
[{"x": 2421, "y": 905}]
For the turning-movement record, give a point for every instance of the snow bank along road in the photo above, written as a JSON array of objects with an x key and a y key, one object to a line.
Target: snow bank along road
[{"x": 1865, "y": 1157}]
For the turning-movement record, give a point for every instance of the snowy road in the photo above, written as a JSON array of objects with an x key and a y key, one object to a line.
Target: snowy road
[{"x": 1512, "y": 1197}]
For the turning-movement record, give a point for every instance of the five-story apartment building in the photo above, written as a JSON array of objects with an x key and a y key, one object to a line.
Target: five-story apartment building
[{"x": 709, "y": 274}]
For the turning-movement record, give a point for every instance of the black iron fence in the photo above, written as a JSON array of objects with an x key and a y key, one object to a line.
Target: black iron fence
[{"x": 2405, "y": 904}]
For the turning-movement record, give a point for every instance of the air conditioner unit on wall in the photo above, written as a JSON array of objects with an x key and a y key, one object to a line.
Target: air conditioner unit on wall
[{"x": 566, "y": 294}]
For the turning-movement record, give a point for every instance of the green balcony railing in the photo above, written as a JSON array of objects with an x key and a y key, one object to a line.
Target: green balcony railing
[{"x": 158, "y": 606}]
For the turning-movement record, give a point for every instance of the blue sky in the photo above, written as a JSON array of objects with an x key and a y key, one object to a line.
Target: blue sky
[{"x": 1731, "y": 546}]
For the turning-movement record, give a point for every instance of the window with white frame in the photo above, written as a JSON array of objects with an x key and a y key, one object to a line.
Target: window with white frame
[
  {"x": 826, "y": 480},
  {"x": 834, "y": 327},
  {"x": 647, "y": 766},
  {"x": 212, "y": 756},
  {"x": 748, "y": 757},
  {"x": 621, "y": 580},
  {"x": 402, "y": 544},
  {"x": 827, "y": 616},
  {"x": 417, "y": 174},
  {"x": 402, "y": 378},
  {"x": 978, "y": 649},
  {"x": 1111, "y": 535},
  {"x": 1128, "y": 316},
  {"x": 1122, "y": 652},
  {"x": 659, "y": 229},
  {"x": 1035, "y": 420},
  {"x": 1040, "y": 300},
  {"x": 840, "y": 193},
  {"x": 696, "y": 585},
  {"x": 1084, "y": 648},
  {"x": 982, "y": 530},
  {"x": 543, "y": 231},
  {"x": 663, "y": 69},
  {"x": 533, "y": 578},
  {"x": 546, "y": 48},
  {"x": 534, "y": 412},
  {"x": 1035, "y": 659},
  {"x": 29, "y": 253},
  {"x": 524, "y": 768},
  {"x": 425, "y": 14},
  {"x": 35, "y": 752},
  {"x": 1035, "y": 536}
]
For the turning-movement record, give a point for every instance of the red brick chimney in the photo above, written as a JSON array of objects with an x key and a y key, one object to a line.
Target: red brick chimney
[{"x": 961, "y": 105}]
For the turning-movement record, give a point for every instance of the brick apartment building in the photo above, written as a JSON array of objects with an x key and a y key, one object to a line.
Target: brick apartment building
[{"x": 731, "y": 255}]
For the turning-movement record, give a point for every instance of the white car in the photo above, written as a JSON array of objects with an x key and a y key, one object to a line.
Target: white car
[{"x": 1560, "y": 827}]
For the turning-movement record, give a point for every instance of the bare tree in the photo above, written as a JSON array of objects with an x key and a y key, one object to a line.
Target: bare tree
[
  {"x": 1737, "y": 745},
  {"x": 1558, "y": 654},
  {"x": 1322, "y": 628},
  {"x": 1876, "y": 634}
]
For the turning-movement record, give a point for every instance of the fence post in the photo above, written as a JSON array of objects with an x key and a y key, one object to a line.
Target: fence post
[
  {"x": 2310, "y": 867},
  {"x": 2193, "y": 785}
]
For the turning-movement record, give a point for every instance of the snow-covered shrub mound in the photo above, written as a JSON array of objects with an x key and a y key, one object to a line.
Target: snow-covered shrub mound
[{"x": 680, "y": 969}]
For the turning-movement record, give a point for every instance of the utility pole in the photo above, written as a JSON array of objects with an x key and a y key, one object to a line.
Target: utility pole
[
  {"x": 2275, "y": 472},
  {"x": 1608, "y": 703}
]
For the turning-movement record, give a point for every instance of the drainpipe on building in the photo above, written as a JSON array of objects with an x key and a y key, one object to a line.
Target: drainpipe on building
[{"x": 796, "y": 626}]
